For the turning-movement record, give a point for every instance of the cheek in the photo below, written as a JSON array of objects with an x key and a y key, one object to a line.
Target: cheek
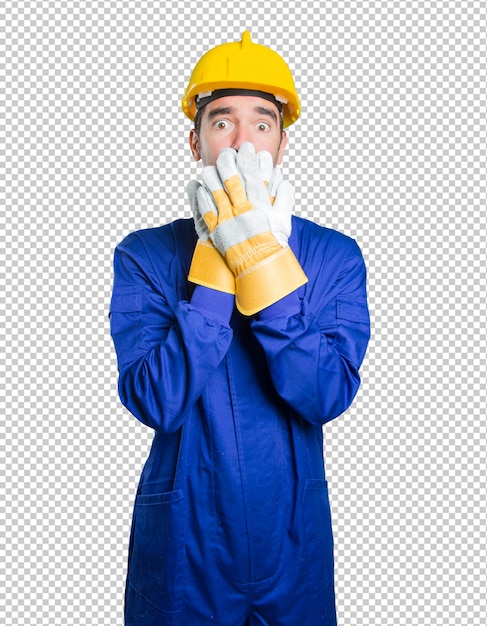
[
  {"x": 280, "y": 154},
  {"x": 271, "y": 145},
  {"x": 211, "y": 149},
  {"x": 210, "y": 154}
]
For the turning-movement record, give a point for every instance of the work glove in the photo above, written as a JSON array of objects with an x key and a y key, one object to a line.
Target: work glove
[
  {"x": 208, "y": 267},
  {"x": 247, "y": 229}
]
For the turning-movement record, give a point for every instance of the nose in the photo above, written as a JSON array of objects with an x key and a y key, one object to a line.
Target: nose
[{"x": 241, "y": 135}]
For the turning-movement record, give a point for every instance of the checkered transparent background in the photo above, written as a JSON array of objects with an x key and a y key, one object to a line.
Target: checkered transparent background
[{"x": 391, "y": 149}]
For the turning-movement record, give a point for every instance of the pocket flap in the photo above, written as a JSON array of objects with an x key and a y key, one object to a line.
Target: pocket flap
[
  {"x": 126, "y": 300},
  {"x": 352, "y": 310}
]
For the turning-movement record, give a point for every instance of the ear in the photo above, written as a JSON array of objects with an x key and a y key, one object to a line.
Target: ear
[
  {"x": 194, "y": 144},
  {"x": 282, "y": 147}
]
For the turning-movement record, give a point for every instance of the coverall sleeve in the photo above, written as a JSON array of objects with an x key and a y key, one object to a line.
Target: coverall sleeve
[
  {"x": 315, "y": 341},
  {"x": 166, "y": 351}
]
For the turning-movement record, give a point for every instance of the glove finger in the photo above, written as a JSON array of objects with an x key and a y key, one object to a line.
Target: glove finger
[
  {"x": 274, "y": 182},
  {"x": 226, "y": 163},
  {"x": 207, "y": 208},
  {"x": 214, "y": 184},
  {"x": 284, "y": 202},
  {"x": 210, "y": 177},
  {"x": 199, "y": 222},
  {"x": 281, "y": 214},
  {"x": 265, "y": 165},
  {"x": 248, "y": 164},
  {"x": 232, "y": 181},
  {"x": 191, "y": 190}
]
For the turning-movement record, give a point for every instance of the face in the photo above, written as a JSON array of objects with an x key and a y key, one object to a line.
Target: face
[{"x": 230, "y": 121}]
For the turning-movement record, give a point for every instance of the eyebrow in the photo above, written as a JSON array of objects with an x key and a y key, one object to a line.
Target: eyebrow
[
  {"x": 219, "y": 111},
  {"x": 269, "y": 112},
  {"x": 228, "y": 110}
]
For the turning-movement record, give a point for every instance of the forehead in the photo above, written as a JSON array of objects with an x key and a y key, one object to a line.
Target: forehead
[{"x": 241, "y": 105}]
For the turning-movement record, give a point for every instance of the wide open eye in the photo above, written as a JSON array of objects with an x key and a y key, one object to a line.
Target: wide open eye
[
  {"x": 221, "y": 124},
  {"x": 263, "y": 126}
]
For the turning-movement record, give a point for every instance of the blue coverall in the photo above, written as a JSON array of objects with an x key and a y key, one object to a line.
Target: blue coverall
[{"x": 231, "y": 522}]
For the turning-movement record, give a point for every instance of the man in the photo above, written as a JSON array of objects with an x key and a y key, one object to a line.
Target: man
[{"x": 238, "y": 333}]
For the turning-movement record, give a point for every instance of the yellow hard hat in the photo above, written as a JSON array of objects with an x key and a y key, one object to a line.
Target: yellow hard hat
[{"x": 243, "y": 65}]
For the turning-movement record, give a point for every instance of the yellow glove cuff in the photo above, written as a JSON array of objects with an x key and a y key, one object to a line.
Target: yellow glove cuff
[
  {"x": 268, "y": 281},
  {"x": 208, "y": 268}
]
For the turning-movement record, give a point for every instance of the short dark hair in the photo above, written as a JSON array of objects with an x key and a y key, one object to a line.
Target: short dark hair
[{"x": 197, "y": 121}]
